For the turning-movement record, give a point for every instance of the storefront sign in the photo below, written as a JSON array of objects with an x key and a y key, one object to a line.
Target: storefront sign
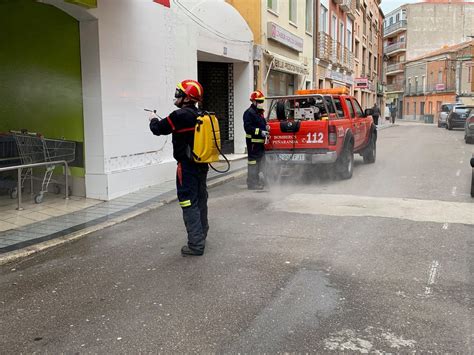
[
  {"x": 440, "y": 87},
  {"x": 284, "y": 37},
  {"x": 361, "y": 83},
  {"x": 284, "y": 66},
  {"x": 84, "y": 3}
]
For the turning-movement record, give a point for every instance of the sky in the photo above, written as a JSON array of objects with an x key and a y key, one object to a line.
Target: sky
[{"x": 389, "y": 5}]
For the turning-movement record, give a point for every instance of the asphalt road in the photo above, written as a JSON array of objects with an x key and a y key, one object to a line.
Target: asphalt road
[{"x": 379, "y": 263}]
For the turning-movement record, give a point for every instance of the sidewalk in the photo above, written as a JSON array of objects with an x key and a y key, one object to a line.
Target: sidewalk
[{"x": 94, "y": 215}]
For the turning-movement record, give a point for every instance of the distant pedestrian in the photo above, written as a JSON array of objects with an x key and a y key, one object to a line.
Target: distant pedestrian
[
  {"x": 190, "y": 176},
  {"x": 376, "y": 114},
  {"x": 255, "y": 128},
  {"x": 393, "y": 114}
]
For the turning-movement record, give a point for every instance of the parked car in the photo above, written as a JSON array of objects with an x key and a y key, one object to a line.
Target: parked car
[
  {"x": 469, "y": 128},
  {"x": 457, "y": 116},
  {"x": 443, "y": 113}
]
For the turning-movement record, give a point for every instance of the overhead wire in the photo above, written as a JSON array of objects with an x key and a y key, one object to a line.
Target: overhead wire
[{"x": 200, "y": 23}]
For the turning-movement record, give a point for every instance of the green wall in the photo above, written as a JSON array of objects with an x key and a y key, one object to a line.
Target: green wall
[{"x": 40, "y": 71}]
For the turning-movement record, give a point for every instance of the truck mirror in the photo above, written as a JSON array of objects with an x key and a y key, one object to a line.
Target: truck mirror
[{"x": 368, "y": 112}]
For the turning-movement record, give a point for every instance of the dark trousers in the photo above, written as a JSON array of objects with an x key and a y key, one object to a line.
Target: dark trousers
[
  {"x": 376, "y": 120},
  {"x": 255, "y": 163},
  {"x": 192, "y": 195}
]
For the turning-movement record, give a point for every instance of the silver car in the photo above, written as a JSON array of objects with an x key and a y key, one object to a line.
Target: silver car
[
  {"x": 469, "y": 128},
  {"x": 443, "y": 114}
]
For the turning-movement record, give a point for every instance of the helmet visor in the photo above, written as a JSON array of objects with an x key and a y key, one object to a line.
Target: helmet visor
[{"x": 179, "y": 93}]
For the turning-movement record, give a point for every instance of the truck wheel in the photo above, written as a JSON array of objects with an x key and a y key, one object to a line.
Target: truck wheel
[
  {"x": 345, "y": 163},
  {"x": 370, "y": 152}
]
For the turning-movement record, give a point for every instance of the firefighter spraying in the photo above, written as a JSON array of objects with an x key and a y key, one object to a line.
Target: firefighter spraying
[
  {"x": 256, "y": 132},
  {"x": 191, "y": 176}
]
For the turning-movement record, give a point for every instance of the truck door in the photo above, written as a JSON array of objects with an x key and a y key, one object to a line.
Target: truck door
[
  {"x": 360, "y": 125},
  {"x": 354, "y": 122}
]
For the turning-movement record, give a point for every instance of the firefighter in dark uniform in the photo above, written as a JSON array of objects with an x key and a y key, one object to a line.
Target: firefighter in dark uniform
[
  {"x": 256, "y": 131},
  {"x": 190, "y": 176}
]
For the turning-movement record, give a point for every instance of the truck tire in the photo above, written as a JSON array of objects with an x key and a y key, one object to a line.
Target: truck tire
[
  {"x": 370, "y": 152},
  {"x": 345, "y": 162}
]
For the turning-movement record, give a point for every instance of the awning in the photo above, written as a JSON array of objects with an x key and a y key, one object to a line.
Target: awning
[{"x": 285, "y": 64}]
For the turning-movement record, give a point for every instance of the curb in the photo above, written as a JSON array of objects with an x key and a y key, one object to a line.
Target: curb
[{"x": 31, "y": 250}]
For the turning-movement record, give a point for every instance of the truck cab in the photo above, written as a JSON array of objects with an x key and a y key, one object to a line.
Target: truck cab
[{"x": 318, "y": 127}]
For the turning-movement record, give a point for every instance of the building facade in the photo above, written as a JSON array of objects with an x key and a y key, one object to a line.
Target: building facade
[
  {"x": 442, "y": 76},
  {"x": 335, "y": 44},
  {"x": 395, "y": 42},
  {"x": 99, "y": 63},
  {"x": 416, "y": 29},
  {"x": 284, "y": 37}
]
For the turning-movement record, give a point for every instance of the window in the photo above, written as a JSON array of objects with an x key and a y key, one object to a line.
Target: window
[
  {"x": 323, "y": 23},
  {"x": 358, "y": 109},
  {"x": 309, "y": 16},
  {"x": 339, "y": 109},
  {"x": 391, "y": 21},
  {"x": 356, "y": 49},
  {"x": 409, "y": 86},
  {"x": 402, "y": 39},
  {"x": 397, "y": 19},
  {"x": 334, "y": 27},
  {"x": 272, "y": 5},
  {"x": 408, "y": 108},
  {"x": 349, "y": 34},
  {"x": 416, "y": 84},
  {"x": 349, "y": 106},
  {"x": 293, "y": 11},
  {"x": 341, "y": 33},
  {"x": 440, "y": 76}
]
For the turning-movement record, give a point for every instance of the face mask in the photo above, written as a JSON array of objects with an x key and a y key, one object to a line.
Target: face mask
[{"x": 178, "y": 102}]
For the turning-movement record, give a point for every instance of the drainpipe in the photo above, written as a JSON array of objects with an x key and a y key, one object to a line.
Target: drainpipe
[{"x": 315, "y": 43}]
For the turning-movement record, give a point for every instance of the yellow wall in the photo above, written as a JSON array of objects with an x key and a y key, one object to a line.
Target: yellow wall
[{"x": 251, "y": 11}]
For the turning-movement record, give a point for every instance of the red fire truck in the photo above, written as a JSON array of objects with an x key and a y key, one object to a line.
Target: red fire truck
[{"x": 318, "y": 127}]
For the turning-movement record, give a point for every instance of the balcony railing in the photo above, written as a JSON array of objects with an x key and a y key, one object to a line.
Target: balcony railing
[
  {"x": 441, "y": 87},
  {"x": 349, "y": 6},
  {"x": 395, "y": 27},
  {"x": 325, "y": 46},
  {"x": 395, "y": 87},
  {"x": 394, "y": 67},
  {"x": 394, "y": 47}
]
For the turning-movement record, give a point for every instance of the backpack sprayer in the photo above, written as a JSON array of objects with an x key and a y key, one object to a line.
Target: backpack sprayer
[{"x": 207, "y": 140}]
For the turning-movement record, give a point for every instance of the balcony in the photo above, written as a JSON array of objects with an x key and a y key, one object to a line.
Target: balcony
[
  {"x": 451, "y": 87},
  {"x": 395, "y": 68},
  {"x": 395, "y": 28},
  {"x": 395, "y": 48},
  {"x": 325, "y": 46},
  {"x": 395, "y": 87},
  {"x": 349, "y": 7}
]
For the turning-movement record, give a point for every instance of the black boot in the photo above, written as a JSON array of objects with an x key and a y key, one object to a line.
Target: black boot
[{"x": 187, "y": 251}]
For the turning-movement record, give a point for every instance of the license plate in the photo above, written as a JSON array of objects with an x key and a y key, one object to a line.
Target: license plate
[{"x": 287, "y": 157}]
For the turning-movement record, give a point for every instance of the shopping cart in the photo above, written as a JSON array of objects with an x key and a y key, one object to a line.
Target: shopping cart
[
  {"x": 8, "y": 157},
  {"x": 34, "y": 148}
]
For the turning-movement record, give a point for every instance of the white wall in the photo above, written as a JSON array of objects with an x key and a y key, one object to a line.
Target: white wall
[{"x": 133, "y": 54}]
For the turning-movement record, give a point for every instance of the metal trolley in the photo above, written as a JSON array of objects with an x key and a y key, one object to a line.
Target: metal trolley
[{"x": 35, "y": 148}]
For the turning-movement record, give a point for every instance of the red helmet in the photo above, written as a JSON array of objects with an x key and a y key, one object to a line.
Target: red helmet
[
  {"x": 190, "y": 89},
  {"x": 257, "y": 95}
]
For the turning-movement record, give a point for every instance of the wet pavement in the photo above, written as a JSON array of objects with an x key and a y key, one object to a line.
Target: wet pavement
[{"x": 275, "y": 277}]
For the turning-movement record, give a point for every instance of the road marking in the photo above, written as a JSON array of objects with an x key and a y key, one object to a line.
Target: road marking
[
  {"x": 458, "y": 172},
  {"x": 367, "y": 206},
  {"x": 432, "y": 277},
  {"x": 453, "y": 191},
  {"x": 445, "y": 226}
]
